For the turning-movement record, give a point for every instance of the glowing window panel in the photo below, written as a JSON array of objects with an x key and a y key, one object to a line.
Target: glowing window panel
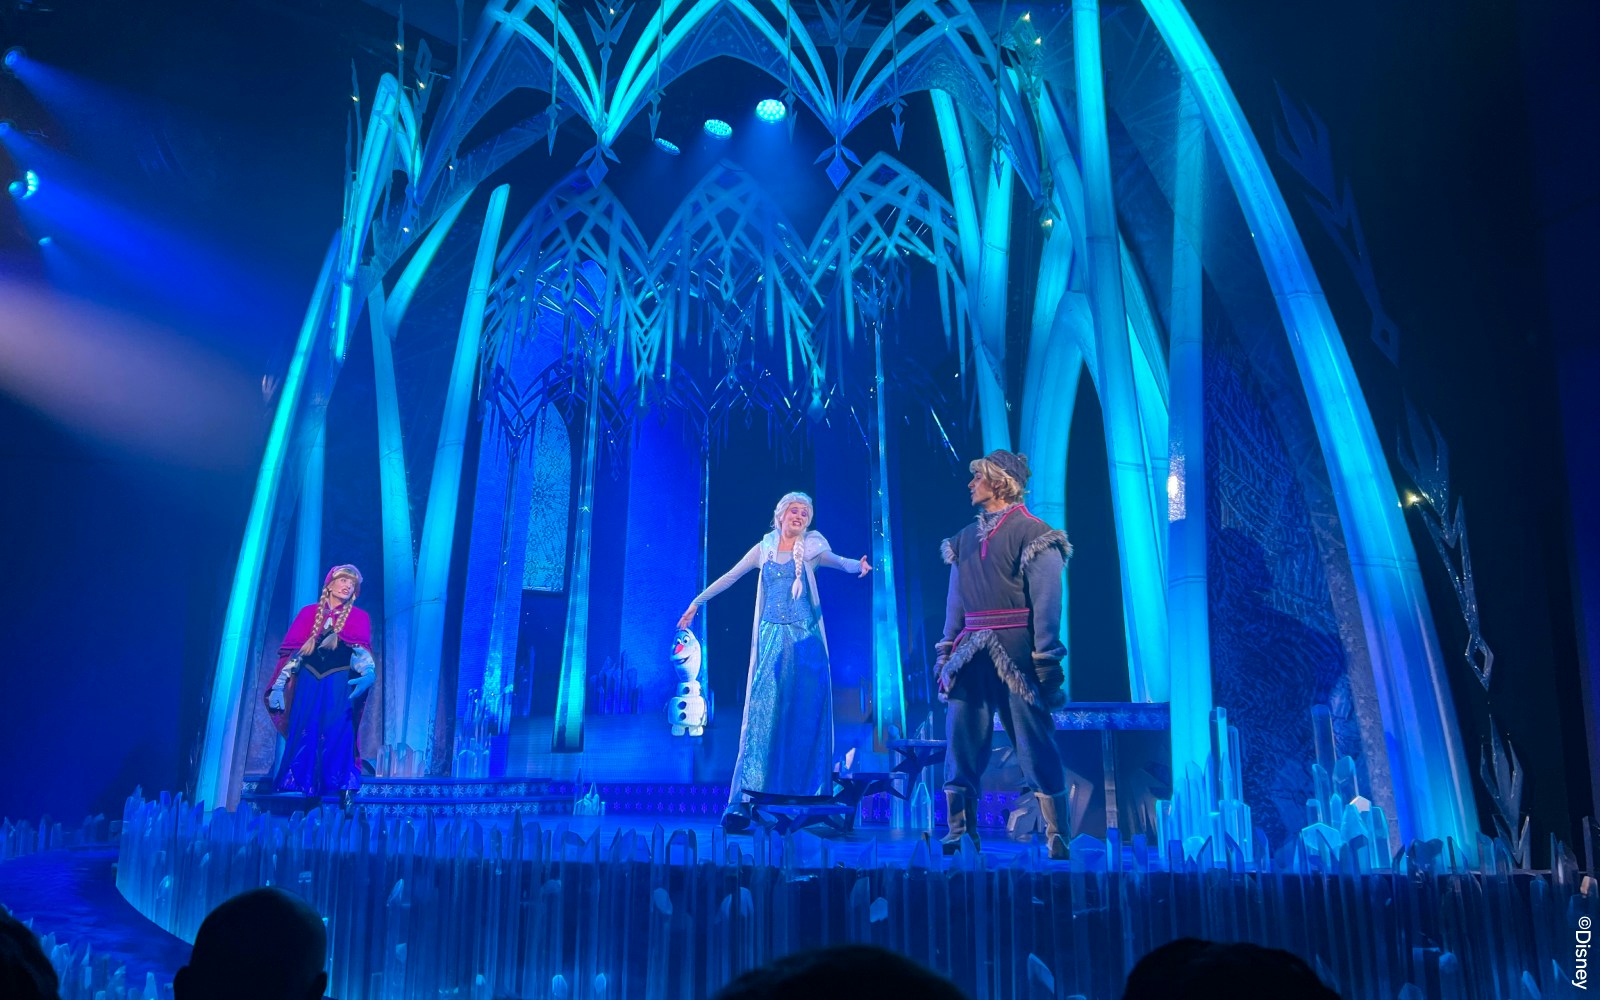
[
  {"x": 772, "y": 110},
  {"x": 716, "y": 128},
  {"x": 666, "y": 146}
]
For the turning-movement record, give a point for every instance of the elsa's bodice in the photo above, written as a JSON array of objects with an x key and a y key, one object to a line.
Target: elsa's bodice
[{"x": 779, "y": 605}]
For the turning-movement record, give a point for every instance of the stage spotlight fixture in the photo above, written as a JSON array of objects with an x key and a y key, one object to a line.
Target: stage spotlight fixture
[
  {"x": 24, "y": 188},
  {"x": 772, "y": 110},
  {"x": 46, "y": 241},
  {"x": 13, "y": 59},
  {"x": 667, "y": 146},
  {"x": 716, "y": 128}
]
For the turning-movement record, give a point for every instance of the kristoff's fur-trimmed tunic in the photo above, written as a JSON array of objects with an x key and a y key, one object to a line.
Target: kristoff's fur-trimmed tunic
[{"x": 1004, "y": 604}]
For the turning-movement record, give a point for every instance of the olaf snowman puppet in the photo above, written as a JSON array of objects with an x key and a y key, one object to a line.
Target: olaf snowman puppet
[{"x": 686, "y": 709}]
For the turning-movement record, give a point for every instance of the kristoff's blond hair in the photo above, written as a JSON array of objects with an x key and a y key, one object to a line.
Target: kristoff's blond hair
[{"x": 1007, "y": 473}]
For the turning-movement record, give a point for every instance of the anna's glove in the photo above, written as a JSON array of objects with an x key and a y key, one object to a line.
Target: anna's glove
[
  {"x": 275, "y": 695},
  {"x": 366, "y": 673}
]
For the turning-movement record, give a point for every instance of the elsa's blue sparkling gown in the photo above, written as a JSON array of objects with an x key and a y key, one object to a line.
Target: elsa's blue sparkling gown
[{"x": 786, "y": 743}]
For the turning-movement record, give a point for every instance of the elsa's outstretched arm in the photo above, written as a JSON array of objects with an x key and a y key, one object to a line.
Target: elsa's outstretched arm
[
  {"x": 820, "y": 553},
  {"x": 751, "y": 560}
]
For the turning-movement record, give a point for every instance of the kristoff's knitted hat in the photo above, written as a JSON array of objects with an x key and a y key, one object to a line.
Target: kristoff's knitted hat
[{"x": 1012, "y": 464}]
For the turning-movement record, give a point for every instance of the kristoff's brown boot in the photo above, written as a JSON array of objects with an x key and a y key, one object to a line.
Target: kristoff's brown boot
[
  {"x": 961, "y": 816},
  {"x": 1057, "y": 813}
]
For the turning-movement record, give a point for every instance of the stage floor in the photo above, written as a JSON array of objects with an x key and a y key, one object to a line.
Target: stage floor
[
  {"x": 663, "y": 907},
  {"x": 866, "y": 846}
]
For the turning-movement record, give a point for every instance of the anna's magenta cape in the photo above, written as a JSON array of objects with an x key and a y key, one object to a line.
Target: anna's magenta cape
[{"x": 357, "y": 631}]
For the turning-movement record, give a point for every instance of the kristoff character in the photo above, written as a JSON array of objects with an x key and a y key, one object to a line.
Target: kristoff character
[{"x": 1002, "y": 649}]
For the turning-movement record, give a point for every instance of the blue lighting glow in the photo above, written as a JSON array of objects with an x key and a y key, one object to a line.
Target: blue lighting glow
[
  {"x": 13, "y": 58},
  {"x": 7, "y": 126},
  {"x": 671, "y": 148},
  {"x": 45, "y": 241},
  {"x": 716, "y": 128},
  {"x": 772, "y": 110}
]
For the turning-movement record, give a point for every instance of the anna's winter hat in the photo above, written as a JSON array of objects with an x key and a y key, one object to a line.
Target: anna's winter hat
[{"x": 345, "y": 570}]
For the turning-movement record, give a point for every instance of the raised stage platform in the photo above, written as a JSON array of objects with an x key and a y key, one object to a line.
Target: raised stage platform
[{"x": 527, "y": 905}]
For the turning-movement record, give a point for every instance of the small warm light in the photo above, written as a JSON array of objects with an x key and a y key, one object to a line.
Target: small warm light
[
  {"x": 422, "y": 86},
  {"x": 772, "y": 110},
  {"x": 1038, "y": 41},
  {"x": 716, "y": 128},
  {"x": 1048, "y": 222},
  {"x": 355, "y": 97},
  {"x": 1412, "y": 499},
  {"x": 405, "y": 229},
  {"x": 399, "y": 47},
  {"x": 1028, "y": 16},
  {"x": 666, "y": 146}
]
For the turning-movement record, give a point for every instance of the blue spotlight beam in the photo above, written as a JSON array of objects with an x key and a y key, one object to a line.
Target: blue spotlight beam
[
  {"x": 214, "y": 780},
  {"x": 1143, "y": 583},
  {"x": 1188, "y": 606},
  {"x": 439, "y": 523},
  {"x": 1428, "y": 764}
]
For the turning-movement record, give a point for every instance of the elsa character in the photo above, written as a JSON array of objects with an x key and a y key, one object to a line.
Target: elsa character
[{"x": 786, "y": 741}]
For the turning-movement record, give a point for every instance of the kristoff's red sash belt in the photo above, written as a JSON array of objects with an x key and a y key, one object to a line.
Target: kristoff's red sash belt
[{"x": 992, "y": 621}]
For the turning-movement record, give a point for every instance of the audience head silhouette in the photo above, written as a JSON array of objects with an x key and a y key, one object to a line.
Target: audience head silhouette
[
  {"x": 264, "y": 944},
  {"x": 845, "y": 972},
  {"x": 1192, "y": 969},
  {"x": 25, "y": 970}
]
